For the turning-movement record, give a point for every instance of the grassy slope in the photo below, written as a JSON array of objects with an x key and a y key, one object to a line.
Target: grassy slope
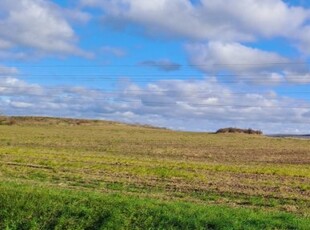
[
  {"x": 25, "y": 207},
  {"x": 61, "y": 162}
]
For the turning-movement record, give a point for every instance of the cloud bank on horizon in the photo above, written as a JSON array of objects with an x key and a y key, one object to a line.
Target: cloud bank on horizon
[{"x": 190, "y": 65}]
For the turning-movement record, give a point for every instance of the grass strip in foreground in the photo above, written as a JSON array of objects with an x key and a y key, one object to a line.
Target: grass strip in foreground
[{"x": 28, "y": 207}]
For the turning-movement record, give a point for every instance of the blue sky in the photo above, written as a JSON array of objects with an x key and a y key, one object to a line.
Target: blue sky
[{"x": 185, "y": 65}]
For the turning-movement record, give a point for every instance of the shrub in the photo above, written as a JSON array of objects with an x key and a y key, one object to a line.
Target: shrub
[{"x": 236, "y": 130}]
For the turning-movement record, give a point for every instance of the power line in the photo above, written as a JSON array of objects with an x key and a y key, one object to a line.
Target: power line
[
  {"x": 282, "y": 81},
  {"x": 124, "y": 75},
  {"x": 191, "y": 104},
  {"x": 160, "y": 77},
  {"x": 149, "y": 90},
  {"x": 222, "y": 105},
  {"x": 157, "y": 64}
]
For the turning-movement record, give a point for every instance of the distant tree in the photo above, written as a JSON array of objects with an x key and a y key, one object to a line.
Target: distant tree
[{"x": 237, "y": 130}]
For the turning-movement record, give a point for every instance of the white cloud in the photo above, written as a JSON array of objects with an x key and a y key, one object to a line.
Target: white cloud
[
  {"x": 224, "y": 25},
  {"x": 12, "y": 86},
  {"x": 297, "y": 78},
  {"x": 234, "y": 20},
  {"x": 247, "y": 64},
  {"x": 22, "y": 105},
  {"x": 191, "y": 105},
  {"x": 4, "y": 70},
  {"x": 302, "y": 40},
  {"x": 218, "y": 56},
  {"x": 205, "y": 104},
  {"x": 38, "y": 25},
  {"x": 267, "y": 18},
  {"x": 5, "y": 44},
  {"x": 241, "y": 62}
]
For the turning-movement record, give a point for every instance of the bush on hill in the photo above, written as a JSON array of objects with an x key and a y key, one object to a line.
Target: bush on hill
[{"x": 236, "y": 130}]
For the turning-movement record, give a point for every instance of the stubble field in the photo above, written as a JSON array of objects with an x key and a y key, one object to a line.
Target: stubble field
[{"x": 70, "y": 174}]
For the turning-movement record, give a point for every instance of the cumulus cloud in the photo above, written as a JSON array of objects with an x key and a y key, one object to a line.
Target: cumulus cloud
[
  {"x": 224, "y": 26},
  {"x": 203, "y": 99},
  {"x": 179, "y": 104},
  {"x": 12, "y": 86},
  {"x": 221, "y": 27},
  {"x": 246, "y": 64},
  {"x": 215, "y": 31},
  {"x": 235, "y": 20},
  {"x": 38, "y": 25},
  {"x": 218, "y": 56},
  {"x": 164, "y": 65},
  {"x": 5, "y": 44},
  {"x": 302, "y": 39},
  {"x": 297, "y": 77}
]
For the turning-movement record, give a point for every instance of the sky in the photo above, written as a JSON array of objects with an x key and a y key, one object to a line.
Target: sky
[{"x": 194, "y": 65}]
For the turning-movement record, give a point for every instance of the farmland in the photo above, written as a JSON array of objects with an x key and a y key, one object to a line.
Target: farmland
[{"x": 63, "y": 173}]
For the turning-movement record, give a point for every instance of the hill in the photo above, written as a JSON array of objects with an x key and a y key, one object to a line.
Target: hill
[{"x": 68, "y": 174}]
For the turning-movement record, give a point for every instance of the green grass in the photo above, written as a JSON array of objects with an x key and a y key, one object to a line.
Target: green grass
[
  {"x": 26, "y": 207},
  {"x": 91, "y": 174}
]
